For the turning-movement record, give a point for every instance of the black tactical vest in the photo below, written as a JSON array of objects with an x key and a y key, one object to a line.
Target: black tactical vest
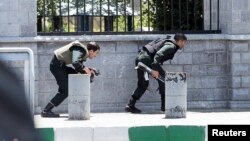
[{"x": 156, "y": 45}]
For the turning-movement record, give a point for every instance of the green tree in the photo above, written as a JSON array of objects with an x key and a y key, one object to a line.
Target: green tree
[
  {"x": 179, "y": 15},
  {"x": 157, "y": 15},
  {"x": 46, "y": 13}
]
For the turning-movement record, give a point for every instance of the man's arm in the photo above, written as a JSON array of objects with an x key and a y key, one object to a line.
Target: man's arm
[
  {"x": 147, "y": 69},
  {"x": 167, "y": 49}
]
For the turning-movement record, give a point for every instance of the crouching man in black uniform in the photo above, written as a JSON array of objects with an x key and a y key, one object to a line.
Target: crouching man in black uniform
[
  {"x": 68, "y": 60},
  {"x": 153, "y": 55}
]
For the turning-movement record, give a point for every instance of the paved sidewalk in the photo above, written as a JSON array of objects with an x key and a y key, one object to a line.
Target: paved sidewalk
[{"x": 145, "y": 119}]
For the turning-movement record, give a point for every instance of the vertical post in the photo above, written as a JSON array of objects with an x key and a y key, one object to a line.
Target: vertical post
[
  {"x": 116, "y": 15},
  {"x": 218, "y": 14},
  {"x": 109, "y": 29},
  {"x": 172, "y": 15},
  {"x": 133, "y": 15},
  {"x": 130, "y": 23},
  {"x": 175, "y": 95},
  {"x": 79, "y": 97},
  {"x": 77, "y": 16},
  {"x": 68, "y": 16},
  {"x": 100, "y": 15},
  {"x": 210, "y": 14},
  {"x": 141, "y": 14},
  {"x": 27, "y": 81}
]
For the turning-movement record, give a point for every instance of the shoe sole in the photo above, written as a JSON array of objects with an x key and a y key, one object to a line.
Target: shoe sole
[
  {"x": 49, "y": 116},
  {"x": 129, "y": 110}
]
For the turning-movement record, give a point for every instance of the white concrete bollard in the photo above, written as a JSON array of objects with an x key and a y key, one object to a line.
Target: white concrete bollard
[
  {"x": 79, "y": 97},
  {"x": 175, "y": 95}
]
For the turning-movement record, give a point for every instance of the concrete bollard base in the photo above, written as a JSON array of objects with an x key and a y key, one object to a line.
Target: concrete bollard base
[
  {"x": 79, "y": 97},
  {"x": 175, "y": 95}
]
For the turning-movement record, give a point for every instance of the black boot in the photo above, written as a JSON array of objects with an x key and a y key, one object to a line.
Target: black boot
[
  {"x": 163, "y": 103},
  {"x": 130, "y": 107},
  {"x": 47, "y": 111}
]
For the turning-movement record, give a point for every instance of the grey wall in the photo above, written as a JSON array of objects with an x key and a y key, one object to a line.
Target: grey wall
[
  {"x": 234, "y": 16},
  {"x": 214, "y": 14},
  {"x": 217, "y": 67},
  {"x": 239, "y": 64},
  {"x": 18, "y": 18}
]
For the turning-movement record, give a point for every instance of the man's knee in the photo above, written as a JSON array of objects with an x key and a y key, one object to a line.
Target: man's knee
[{"x": 64, "y": 91}]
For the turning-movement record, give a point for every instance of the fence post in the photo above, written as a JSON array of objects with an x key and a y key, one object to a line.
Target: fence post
[
  {"x": 175, "y": 95},
  {"x": 79, "y": 97}
]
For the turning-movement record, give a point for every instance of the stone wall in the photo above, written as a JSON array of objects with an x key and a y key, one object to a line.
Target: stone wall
[
  {"x": 239, "y": 64},
  {"x": 18, "y": 18},
  {"x": 217, "y": 67},
  {"x": 214, "y": 14},
  {"x": 234, "y": 16}
]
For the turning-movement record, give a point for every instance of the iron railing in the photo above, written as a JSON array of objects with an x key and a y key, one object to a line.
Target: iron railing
[{"x": 76, "y": 17}]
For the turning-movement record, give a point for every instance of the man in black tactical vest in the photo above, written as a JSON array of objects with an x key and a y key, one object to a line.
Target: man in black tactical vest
[
  {"x": 153, "y": 55},
  {"x": 68, "y": 60}
]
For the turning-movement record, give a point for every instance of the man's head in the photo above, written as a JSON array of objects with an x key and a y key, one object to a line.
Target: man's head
[
  {"x": 180, "y": 40},
  {"x": 93, "y": 49}
]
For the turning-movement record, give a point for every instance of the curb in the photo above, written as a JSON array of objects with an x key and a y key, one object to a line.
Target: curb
[
  {"x": 47, "y": 134},
  {"x": 141, "y": 133},
  {"x": 148, "y": 133}
]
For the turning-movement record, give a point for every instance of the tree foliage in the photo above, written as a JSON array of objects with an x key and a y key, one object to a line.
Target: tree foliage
[
  {"x": 153, "y": 15},
  {"x": 178, "y": 14}
]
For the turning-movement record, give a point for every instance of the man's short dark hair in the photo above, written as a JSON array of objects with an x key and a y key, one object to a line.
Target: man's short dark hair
[
  {"x": 180, "y": 36},
  {"x": 93, "y": 46}
]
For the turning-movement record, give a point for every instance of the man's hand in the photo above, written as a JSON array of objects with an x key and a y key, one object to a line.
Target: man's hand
[
  {"x": 155, "y": 74},
  {"x": 87, "y": 70},
  {"x": 92, "y": 71}
]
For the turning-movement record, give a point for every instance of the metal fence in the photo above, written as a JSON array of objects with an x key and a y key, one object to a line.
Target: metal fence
[{"x": 76, "y": 17}]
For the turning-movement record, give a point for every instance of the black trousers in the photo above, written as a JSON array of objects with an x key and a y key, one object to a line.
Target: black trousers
[
  {"x": 60, "y": 72},
  {"x": 142, "y": 84}
]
